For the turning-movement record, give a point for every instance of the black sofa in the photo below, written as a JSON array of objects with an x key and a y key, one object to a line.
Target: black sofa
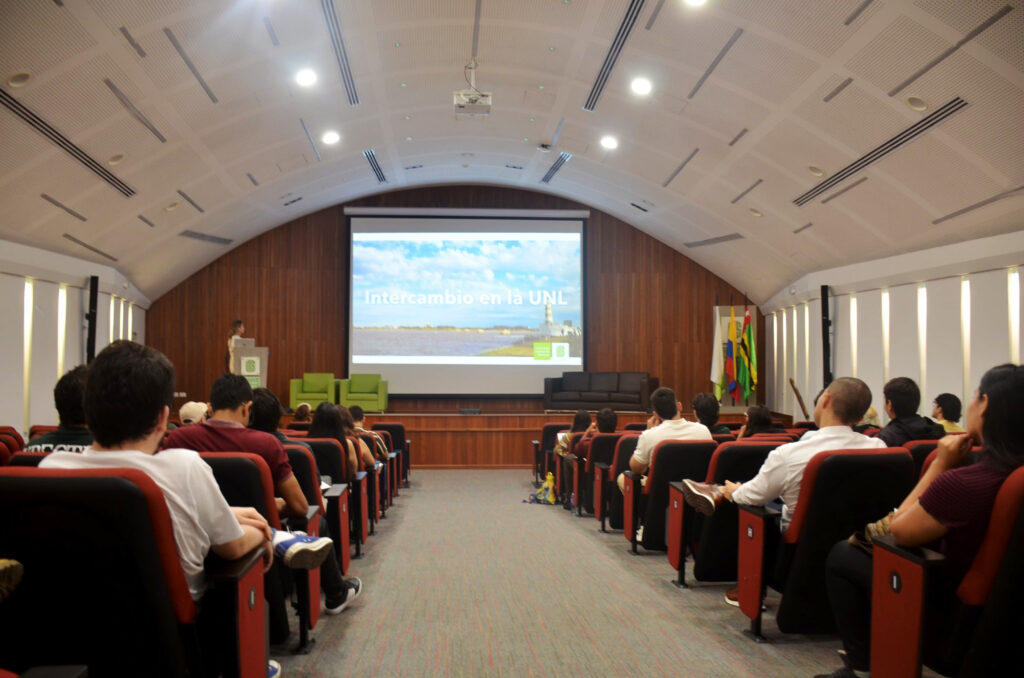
[{"x": 595, "y": 390}]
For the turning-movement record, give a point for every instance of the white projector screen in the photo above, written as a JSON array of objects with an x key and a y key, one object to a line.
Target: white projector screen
[{"x": 458, "y": 305}]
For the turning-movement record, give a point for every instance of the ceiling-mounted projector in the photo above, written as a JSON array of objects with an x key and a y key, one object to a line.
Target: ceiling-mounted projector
[{"x": 470, "y": 102}]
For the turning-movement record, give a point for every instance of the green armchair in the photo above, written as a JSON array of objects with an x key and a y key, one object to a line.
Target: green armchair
[
  {"x": 313, "y": 388},
  {"x": 368, "y": 391}
]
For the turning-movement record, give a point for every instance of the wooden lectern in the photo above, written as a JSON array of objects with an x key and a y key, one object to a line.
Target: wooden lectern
[{"x": 250, "y": 361}]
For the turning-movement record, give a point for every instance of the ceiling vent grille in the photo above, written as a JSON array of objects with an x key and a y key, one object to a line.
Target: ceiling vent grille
[
  {"x": 680, "y": 168},
  {"x": 371, "y": 158},
  {"x": 292, "y": 201},
  {"x": 625, "y": 28},
  {"x": 206, "y": 237},
  {"x": 188, "y": 62},
  {"x": 901, "y": 139},
  {"x": 714, "y": 241},
  {"x": 190, "y": 201},
  {"x": 563, "y": 158},
  {"x": 978, "y": 205},
  {"x": 146, "y": 221},
  {"x": 68, "y": 236},
  {"x": 334, "y": 29},
  {"x": 44, "y": 128},
  {"x": 134, "y": 110}
]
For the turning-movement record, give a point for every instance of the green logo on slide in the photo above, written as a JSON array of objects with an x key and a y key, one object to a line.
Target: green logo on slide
[{"x": 542, "y": 350}]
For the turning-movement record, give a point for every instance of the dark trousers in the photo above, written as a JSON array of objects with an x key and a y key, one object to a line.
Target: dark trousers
[
  {"x": 331, "y": 580},
  {"x": 848, "y": 579}
]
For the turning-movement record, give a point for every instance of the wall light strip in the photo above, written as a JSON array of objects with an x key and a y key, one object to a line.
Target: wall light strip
[
  {"x": 120, "y": 320},
  {"x": 62, "y": 325},
  {"x": 853, "y": 335},
  {"x": 1013, "y": 293},
  {"x": 113, "y": 310},
  {"x": 965, "y": 334},
  {"x": 785, "y": 360},
  {"x": 775, "y": 362},
  {"x": 807, "y": 348},
  {"x": 922, "y": 334},
  {"x": 796, "y": 351},
  {"x": 131, "y": 314},
  {"x": 27, "y": 355},
  {"x": 885, "y": 335}
]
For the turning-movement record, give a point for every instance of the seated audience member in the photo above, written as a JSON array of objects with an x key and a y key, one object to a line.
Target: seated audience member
[
  {"x": 607, "y": 420},
  {"x": 757, "y": 419},
  {"x": 266, "y": 416},
  {"x": 127, "y": 403},
  {"x": 380, "y": 450},
  {"x": 348, "y": 425},
  {"x": 303, "y": 413},
  {"x": 580, "y": 423},
  {"x": 327, "y": 424},
  {"x": 869, "y": 420},
  {"x": 706, "y": 407},
  {"x": 193, "y": 412},
  {"x": 835, "y": 412},
  {"x": 949, "y": 503},
  {"x": 231, "y": 399},
  {"x": 946, "y": 411},
  {"x": 902, "y": 398},
  {"x": 666, "y": 423},
  {"x": 72, "y": 434}
]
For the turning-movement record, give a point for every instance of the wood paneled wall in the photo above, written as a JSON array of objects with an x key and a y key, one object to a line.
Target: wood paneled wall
[{"x": 648, "y": 307}]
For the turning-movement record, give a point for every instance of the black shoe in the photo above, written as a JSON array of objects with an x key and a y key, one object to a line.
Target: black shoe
[{"x": 353, "y": 587}]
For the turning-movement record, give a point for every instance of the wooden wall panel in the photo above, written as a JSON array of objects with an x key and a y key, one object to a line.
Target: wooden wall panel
[{"x": 647, "y": 308}]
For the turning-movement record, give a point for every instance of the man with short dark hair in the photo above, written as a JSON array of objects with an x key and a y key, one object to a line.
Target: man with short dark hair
[
  {"x": 380, "y": 451},
  {"x": 72, "y": 435},
  {"x": 231, "y": 399},
  {"x": 666, "y": 423},
  {"x": 902, "y": 398},
  {"x": 706, "y": 407},
  {"x": 946, "y": 410}
]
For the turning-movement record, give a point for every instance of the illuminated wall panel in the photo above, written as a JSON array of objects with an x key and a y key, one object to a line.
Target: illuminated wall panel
[{"x": 945, "y": 354}]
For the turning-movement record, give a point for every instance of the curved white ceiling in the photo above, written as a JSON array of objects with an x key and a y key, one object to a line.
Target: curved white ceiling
[{"x": 747, "y": 93}]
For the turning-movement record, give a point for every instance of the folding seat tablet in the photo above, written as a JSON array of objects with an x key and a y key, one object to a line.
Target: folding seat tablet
[
  {"x": 978, "y": 633},
  {"x": 104, "y": 586},
  {"x": 840, "y": 492}
]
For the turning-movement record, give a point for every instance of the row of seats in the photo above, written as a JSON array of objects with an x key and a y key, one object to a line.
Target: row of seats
[
  {"x": 103, "y": 575},
  {"x": 841, "y": 491}
]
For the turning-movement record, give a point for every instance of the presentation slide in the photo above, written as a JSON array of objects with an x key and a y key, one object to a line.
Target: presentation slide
[{"x": 466, "y": 305}]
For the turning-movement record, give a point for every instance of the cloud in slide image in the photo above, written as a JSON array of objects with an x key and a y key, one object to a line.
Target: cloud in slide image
[{"x": 465, "y": 282}]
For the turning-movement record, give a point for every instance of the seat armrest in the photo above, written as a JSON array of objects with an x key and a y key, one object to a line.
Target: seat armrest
[
  {"x": 69, "y": 671},
  {"x": 360, "y": 475},
  {"x": 915, "y": 554},
  {"x": 763, "y": 512},
  {"x": 601, "y": 465},
  {"x": 219, "y": 570},
  {"x": 335, "y": 491},
  {"x": 311, "y": 512}
]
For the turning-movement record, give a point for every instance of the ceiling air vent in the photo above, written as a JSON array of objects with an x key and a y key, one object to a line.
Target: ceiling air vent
[
  {"x": 714, "y": 241},
  {"x": 371, "y": 158},
  {"x": 292, "y": 201},
  {"x": 68, "y": 236},
  {"x": 44, "y": 128},
  {"x": 901, "y": 139},
  {"x": 625, "y": 28},
  {"x": 334, "y": 30},
  {"x": 190, "y": 201},
  {"x": 146, "y": 221},
  {"x": 563, "y": 158},
  {"x": 680, "y": 168},
  {"x": 58, "y": 203},
  {"x": 205, "y": 237},
  {"x": 642, "y": 209},
  {"x": 188, "y": 62}
]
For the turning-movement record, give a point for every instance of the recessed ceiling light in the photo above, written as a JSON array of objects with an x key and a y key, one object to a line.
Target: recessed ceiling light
[
  {"x": 173, "y": 206},
  {"x": 467, "y": 155},
  {"x": 551, "y": 48},
  {"x": 540, "y": 86},
  {"x": 531, "y": 119},
  {"x": 408, "y": 117},
  {"x": 306, "y": 77},
  {"x": 408, "y": 138},
  {"x": 464, "y": 165},
  {"x": 19, "y": 80},
  {"x": 402, "y": 84},
  {"x": 641, "y": 86},
  {"x": 330, "y": 137},
  {"x": 816, "y": 171},
  {"x": 756, "y": 213},
  {"x": 116, "y": 159},
  {"x": 609, "y": 142},
  {"x": 695, "y": 3},
  {"x": 917, "y": 103},
  {"x": 398, "y": 44},
  {"x": 526, "y": 138}
]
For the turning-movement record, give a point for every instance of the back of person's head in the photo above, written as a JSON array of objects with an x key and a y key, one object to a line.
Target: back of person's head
[
  {"x": 357, "y": 414},
  {"x": 348, "y": 424},
  {"x": 950, "y": 405},
  {"x": 706, "y": 408},
  {"x": 127, "y": 388},
  {"x": 229, "y": 392},
  {"x": 326, "y": 422},
  {"x": 1003, "y": 387},
  {"x": 759, "y": 420},
  {"x": 607, "y": 420},
  {"x": 903, "y": 394},
  {"x": 235, "y": 326},
  {"x": 851, "y": 398},
  {"x": 581, "y": 421},
  {"x": 663, "y": 402},
  {"x": 870, "y": 418},
  {"x": 68, "y": 396},
  {"x": 192, "y": 412},
  {"x": 302, "y": 412},
  {"x": 266, "y": 411}
]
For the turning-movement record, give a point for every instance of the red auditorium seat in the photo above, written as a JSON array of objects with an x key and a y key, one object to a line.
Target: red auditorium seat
[
  {"x": 919, "y": 450},
  {"x": 40, "y": 429},
  {"x": 840, "y": 492},
  {"x": 723, "y": 437},
  {"x": 542, "y": 450},
  {"x": 602, "y": 448},
  {"x": 372, "y": 488},
  {"x": 671, "y": 460},
  {"x": 132, "y": 613},
  {"x": 19, "y": 442},
  {"x": 979, "y": 633},
  {"x": 331, "y": 459},
  {"x": 603, "y": 455},
  {"x": 27, "y": 458},
  {"x": 402, "y": 445}
]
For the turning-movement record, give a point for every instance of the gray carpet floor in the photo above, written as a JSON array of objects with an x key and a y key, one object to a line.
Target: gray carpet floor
[{"x": 463, "y": 579}]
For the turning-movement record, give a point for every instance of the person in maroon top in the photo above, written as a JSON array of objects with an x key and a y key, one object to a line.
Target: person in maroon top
[{"x": 950, "y": 502}]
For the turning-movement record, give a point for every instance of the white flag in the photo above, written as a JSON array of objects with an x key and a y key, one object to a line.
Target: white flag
[{"x": 717, "y": 359}]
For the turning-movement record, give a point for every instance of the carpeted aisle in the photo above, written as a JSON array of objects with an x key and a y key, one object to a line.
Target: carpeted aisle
[{"x": 463, "y": 579}]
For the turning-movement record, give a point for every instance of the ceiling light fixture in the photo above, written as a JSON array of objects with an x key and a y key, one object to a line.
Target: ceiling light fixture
[
  {"x": 398, "y": 44},
  {"x": 917, "y": 103},
  {"x": 695, "y": 3},
  {"x": 173, "y": 206},
  {"x": 408, "y": 117},
  {"x": 330, "y": 137},
  {"x": 551, "y": 48},
  {"x": 19, "y": 80},
  {"x": 756, "y": 213},
  {"x": 816, "y": 171},
  {"x": 116, "y": 159},
  {"x": 609, "y": 142},
  {"x": 306, "y": 77},
  {"x": 408, "y": 138},
  {"x": 641, "y": 86},
  {"x": 402, "y": 84}
]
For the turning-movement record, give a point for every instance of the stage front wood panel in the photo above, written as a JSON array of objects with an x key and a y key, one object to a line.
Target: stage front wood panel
[{"x": 647, "y": 307}]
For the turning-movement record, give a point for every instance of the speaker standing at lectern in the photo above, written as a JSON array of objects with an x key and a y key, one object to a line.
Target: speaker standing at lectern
[{"x": 237, "y": 330}]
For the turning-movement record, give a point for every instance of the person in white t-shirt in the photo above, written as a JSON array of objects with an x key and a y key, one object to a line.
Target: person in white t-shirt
[{"x": 666, "y": 423}]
